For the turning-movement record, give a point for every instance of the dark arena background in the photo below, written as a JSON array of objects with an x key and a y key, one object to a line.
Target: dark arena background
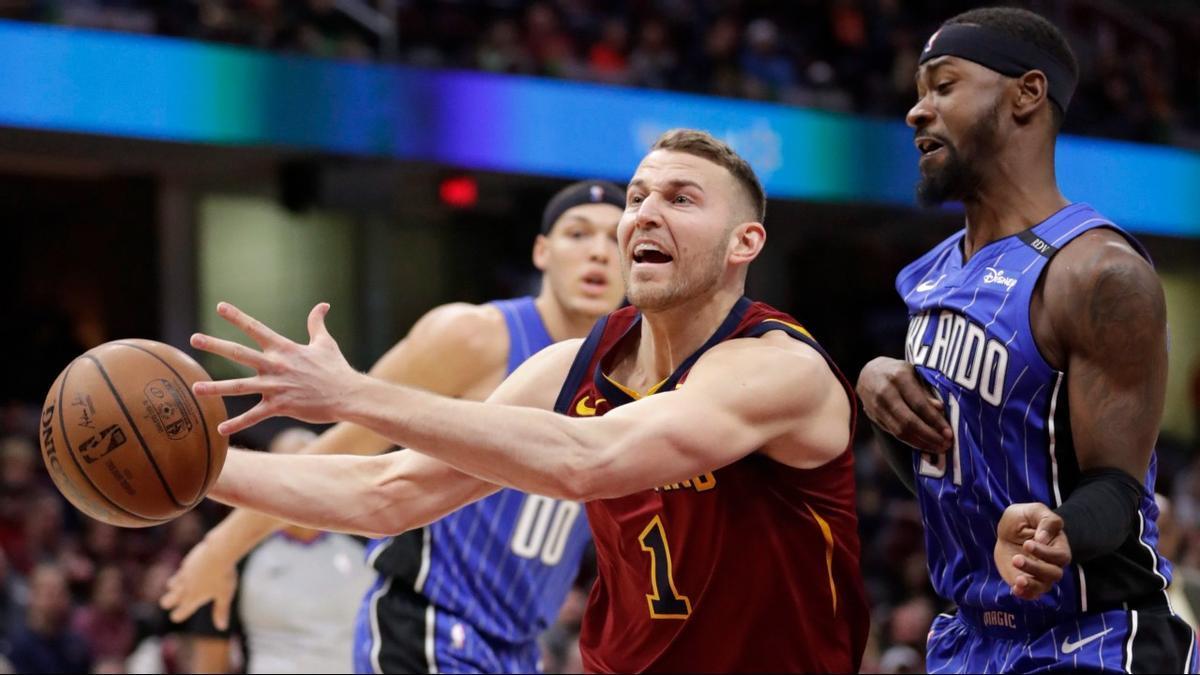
[{"x": 389, "y": 156}]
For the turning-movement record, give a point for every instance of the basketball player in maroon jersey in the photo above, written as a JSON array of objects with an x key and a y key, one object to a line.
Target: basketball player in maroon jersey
[{"x": 709, "y": 435}]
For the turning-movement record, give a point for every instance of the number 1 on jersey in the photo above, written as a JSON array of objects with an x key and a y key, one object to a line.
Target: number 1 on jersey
[{"x": 665, "y": 602}]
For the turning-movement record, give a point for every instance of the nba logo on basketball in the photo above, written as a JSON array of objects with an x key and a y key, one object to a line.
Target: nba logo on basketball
[{"x": 167, "y": 406}]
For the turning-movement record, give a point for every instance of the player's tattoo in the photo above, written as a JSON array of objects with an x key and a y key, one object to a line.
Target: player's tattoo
[{"x": 1118, "y": 365}]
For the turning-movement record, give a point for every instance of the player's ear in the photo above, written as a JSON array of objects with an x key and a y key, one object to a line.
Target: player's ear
[
  {"x": 541, "y": 252},
  {"x": 1031, "y": 92},
  {"x": 746, "y": 242}
]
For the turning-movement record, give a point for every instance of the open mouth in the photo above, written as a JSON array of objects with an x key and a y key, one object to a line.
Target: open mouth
[
  {"x": 595, "y": 282},
  {"x": 649, "y": 254},
  {"x": 928, "y": 146}
]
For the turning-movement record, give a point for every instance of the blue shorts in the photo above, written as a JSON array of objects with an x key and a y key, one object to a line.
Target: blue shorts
[
  {"x": 1147, "y": 640},
  {"x": 398, "y": 631}
]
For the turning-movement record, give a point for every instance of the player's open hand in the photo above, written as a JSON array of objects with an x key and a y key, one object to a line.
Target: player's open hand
[
  {"x": 205, "y": 574},
  {"x": 896, "y": 399},
  {"x": 306, "y": 382},
  {"x": 1031, "y": 549}
]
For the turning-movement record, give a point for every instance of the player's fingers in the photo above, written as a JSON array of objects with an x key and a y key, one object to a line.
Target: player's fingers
[
  {"x": 185, "y": 609},
  {"x": 928, "y": 408},
  {"x": 221, "y": 612},
  {"x": 1039, "y": 570},
  {"x": 170, "y": 598},
  {"x": 232, "y": 351},
  {"x": 911, "y": 429},
  {"x": 316, "y": 321},
  {"x": 237, "y": 387},
  {"x": 1052, "y": 554},
  {"x": 1050, "y": 524},
  {"x": 257, "y": 330},
  {"x": 244, "y": 421}
]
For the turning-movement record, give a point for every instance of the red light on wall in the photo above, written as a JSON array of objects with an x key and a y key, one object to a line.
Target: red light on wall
[{"x": 459, "y": 192}]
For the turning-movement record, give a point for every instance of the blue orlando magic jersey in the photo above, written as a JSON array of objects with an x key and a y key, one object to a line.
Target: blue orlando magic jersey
[
  {"x": 970, "y": 338},
  {"x": 504, "y": 564}
]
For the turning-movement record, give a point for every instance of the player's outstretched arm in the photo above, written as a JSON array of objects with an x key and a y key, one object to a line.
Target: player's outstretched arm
[
  {"x": 740, "y": 396},
  {"x": 1108, "y": 317},
  {"x": 385, "y": 494},
  {"x": 448, "y": 351}
]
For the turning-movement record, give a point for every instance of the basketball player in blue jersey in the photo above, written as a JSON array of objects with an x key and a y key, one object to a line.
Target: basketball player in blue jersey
[
  {"x": 1034, "y": 378},
  {"x": 472, "y": 591}
]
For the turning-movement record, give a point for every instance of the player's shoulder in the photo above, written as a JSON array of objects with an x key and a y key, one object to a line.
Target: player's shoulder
[
  {"x": 478, "y": 330},
  {"x": 1100, "y": 265},
  {"x": 774, "y": 353}
]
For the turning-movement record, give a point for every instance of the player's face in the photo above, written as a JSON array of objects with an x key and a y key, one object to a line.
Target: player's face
[
  {"x": 674, "y": 237},
  {"x": 957, "y": 124},
  {"x": 579, "y": 259}
]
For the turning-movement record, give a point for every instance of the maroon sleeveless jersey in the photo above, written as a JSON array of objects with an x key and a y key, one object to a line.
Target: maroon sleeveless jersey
[{"x": 753, "y": 566}]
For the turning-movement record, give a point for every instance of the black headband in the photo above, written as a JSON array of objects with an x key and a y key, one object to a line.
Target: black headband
[
  {"x": 1005, "y": 54},
  {"x": 583, "y": 192}
]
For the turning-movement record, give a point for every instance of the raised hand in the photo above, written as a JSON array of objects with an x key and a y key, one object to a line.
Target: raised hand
[
  {"x": 896, "y": 399},
  {"x": 306, "y": 382},
  {"x": 1031, "y": 549},
  {"x": 205, "y": 574}
]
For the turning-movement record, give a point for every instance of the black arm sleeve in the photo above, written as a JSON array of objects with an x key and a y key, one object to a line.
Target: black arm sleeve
[
  {"x": 1099, "y": 515},
  {"x": 898, "y": 456}
]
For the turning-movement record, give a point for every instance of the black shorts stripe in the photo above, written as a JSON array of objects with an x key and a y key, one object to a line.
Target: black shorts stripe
[
  {"x": 400, "y": 615},
  {"x": 1162, "y": 644}
]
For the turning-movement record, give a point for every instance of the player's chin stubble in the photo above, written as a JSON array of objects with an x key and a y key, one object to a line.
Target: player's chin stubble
[{"x": 958, "y": 179}]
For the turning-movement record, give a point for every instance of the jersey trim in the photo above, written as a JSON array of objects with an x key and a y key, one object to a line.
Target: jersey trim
[
  {"x": 426, "y": 555},
  {"x": 827, "y": 533},
  {"x": 579, "y": 367},
  {"x": 376, "y": 636},
  {"x": 431, "y": 638}
]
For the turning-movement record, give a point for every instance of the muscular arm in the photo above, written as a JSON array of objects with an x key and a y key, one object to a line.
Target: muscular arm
[
  {"x": 454, "y": 350},
  {"x": 1101, "y": 317},
  {"x": 1107, "y": 305},
  {"x": 740, "y": 397}
]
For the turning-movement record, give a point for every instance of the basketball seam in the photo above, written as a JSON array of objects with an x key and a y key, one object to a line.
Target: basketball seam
[
  {"x": 72, "y": 454},
  {"x": 137, "y": 432},
  {"x": 199, "y": 411}
]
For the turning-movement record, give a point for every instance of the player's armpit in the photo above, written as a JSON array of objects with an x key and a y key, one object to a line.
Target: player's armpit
[
  {"x": 1107, "y": 307},
  {"x": 772, "y": 394}
]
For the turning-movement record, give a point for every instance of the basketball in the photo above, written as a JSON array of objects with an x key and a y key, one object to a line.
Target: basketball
[{"x": 125, "y": 439}]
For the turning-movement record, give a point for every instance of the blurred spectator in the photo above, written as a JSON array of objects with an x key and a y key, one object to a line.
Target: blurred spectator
[
  {"x": 766, "y": 71},
  {"x": 653, "y": 61},
  {"x": 607, "y": 58},
  {"x": 1139, "y": 65},
  {"x": 105, "y": 623},
  {"x": 14, "y": 597},
  {"x": 45, "y": 643}
]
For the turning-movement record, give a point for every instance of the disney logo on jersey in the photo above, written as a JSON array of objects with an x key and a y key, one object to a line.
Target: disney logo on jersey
[
  {"x": 961, "y": 350},
  {"x": 995, "y": 276}
]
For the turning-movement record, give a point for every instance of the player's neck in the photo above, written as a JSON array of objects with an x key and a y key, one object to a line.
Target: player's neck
[
  {"x": 561, "y": 323},
  {"x": 669, "y": 336},
  {"x": 1014, "y": 198}
]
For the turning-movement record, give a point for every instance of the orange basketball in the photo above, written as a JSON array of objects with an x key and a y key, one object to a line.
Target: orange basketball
[{"x": 125, "y": 439}]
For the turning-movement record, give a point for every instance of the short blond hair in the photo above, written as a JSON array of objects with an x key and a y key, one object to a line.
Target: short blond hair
[{"x": 705, "y": 145}]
